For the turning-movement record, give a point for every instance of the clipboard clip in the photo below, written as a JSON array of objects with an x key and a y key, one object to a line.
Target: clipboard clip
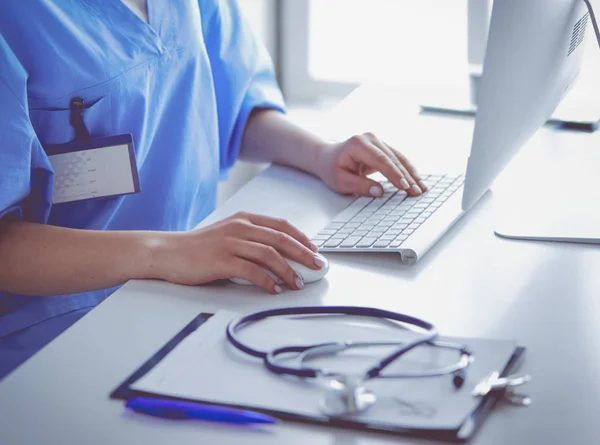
[{"x": 494, "y": 383}]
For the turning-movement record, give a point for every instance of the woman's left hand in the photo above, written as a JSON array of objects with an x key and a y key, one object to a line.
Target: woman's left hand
[{"x": 344, "y": 167}]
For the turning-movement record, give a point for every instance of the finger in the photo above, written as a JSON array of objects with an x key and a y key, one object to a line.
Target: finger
[
  {"x": 289, "y": 247},
  {"x": 268, "y": 257},
  {"x": 414, "y": 188},
  {"x": 356, "y": 184},
  {"x": 409, "y": 166},
  {"x": 284, "y": 226},
  {"x": 247, "y": 270},
  {"x": 373, "y": 157}
]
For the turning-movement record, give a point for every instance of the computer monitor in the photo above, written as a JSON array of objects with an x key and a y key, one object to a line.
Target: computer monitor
[
  {"x": 463, "y": 100},
  {"x": 534, "y": 53}
]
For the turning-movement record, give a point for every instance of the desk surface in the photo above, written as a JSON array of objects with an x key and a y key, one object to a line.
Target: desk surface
[{"x": 471, "y": 283}]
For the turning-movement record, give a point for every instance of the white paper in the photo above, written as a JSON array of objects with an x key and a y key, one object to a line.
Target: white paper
[{"x": 205, "y": 367}]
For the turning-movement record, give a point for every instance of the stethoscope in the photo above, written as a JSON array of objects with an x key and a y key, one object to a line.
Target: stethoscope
[{"x": 348, "y": 394}]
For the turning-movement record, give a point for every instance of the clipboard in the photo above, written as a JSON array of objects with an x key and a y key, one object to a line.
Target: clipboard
[{"x": 464, "y": 432}]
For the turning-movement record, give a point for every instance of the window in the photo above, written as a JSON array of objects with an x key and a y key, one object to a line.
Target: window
[{"x": 331, "y": 46}]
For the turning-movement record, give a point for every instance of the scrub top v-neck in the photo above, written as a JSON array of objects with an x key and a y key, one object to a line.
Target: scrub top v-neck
[{"x": 182, "y": 84}]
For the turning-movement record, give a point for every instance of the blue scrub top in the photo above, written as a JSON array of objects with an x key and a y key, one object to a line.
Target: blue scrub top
[{"x": 183, "y": 85}]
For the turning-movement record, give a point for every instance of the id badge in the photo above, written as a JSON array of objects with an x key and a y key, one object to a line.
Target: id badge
[
  {"x": 92, "y": 168},
  {"x": 103, "y": 168}
]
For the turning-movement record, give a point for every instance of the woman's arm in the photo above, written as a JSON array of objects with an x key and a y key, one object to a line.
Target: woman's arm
[
  {"x": 37, "y": 259},
  {"x": 41, "y": 260},
  {"x": 270, "y": 136}
]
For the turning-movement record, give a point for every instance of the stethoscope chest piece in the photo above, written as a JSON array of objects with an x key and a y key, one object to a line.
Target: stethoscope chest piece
[{"x": 345, "y": 396}]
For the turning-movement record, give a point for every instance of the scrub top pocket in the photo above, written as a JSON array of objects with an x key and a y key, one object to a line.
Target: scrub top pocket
[{"x": 51, "y": 123}]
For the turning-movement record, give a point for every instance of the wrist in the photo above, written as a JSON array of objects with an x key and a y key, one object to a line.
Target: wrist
[
  {"x": 153, "y": 250},
  {"x": 321, "y": 162}
]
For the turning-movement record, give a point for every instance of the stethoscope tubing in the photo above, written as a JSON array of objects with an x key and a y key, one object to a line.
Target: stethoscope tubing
[{"x": 306, "y": 372}]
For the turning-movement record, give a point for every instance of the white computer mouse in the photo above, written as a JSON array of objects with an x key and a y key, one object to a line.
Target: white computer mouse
[{"x": 308, "y": 275}]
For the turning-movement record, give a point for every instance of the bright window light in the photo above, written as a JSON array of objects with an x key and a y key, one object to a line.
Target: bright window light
[{"x": 407, "y": 41}]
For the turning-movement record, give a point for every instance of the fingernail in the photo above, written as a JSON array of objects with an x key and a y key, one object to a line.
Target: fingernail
[
  {"x": 278, "y": 289},
  {"x": 423, "y": 185},
  {"x": 416, "y": 189},
  {"x": 320, "y": 261},
  {"x": 404, "y": 184},
  {"x": 375, "y": 191},
  {"x": 313, "y": 247},
  {"x": 299, "y": 282}
]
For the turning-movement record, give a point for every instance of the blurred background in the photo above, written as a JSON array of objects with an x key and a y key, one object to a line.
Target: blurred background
[{"x": 324, "y": 49}]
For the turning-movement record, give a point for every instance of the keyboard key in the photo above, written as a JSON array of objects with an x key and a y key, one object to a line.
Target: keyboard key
[
  {"x": 364, "y": 214},
  {"x": 334, "y": 242},
  {"x": 420, "y": 220},
  {"x": 408, "y": 232},
  {"x": 414, "y": 226},
  {"x": 366, "y": 242},
  {"x": 334, "y": 226},
  {"x": 345, "y": 231},
  {"x": 319, "y": 242},
  {"x": 395, "y": 244},
  {"x": 412, "y": 214},
  {"x": 389, "y": 238},
  {"x": 350, "y": 241},
  {"x": 378, "y": 230},
  {"x": 327, "y": 232},
  {"x": 352, "y": 224},
  {"x": 381, "y": 243},
  {"x": 401, "y": 237},
  {"x": 393, "y": 231},
  {"x": 400, "y": 226},
  {"x": 376, "y": 203},
  {"x": 360, "y": 232}
]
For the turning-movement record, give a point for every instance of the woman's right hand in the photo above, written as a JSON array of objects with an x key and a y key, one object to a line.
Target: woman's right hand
[{"x": 240, "y": 246}]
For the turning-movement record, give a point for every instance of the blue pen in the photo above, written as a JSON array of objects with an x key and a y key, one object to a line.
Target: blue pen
[{"x": 175, "y": 409}]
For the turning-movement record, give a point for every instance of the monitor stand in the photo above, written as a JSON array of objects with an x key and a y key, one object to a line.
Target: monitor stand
[{"x": 559, "y": 201}]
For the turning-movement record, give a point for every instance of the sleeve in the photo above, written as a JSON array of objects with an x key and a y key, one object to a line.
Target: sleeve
[
  {"x": 242, "y": 70},
  {"x": 26, "y": 175}
]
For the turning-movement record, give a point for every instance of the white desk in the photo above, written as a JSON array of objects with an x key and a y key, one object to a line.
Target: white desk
[{"x": 471, "y": 284}]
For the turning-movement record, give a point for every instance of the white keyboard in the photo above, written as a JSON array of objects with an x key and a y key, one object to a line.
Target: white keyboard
[{"x": 386, "y": 223}]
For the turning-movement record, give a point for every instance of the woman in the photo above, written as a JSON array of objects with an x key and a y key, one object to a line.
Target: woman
[{"x": 193, "y": 86}]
